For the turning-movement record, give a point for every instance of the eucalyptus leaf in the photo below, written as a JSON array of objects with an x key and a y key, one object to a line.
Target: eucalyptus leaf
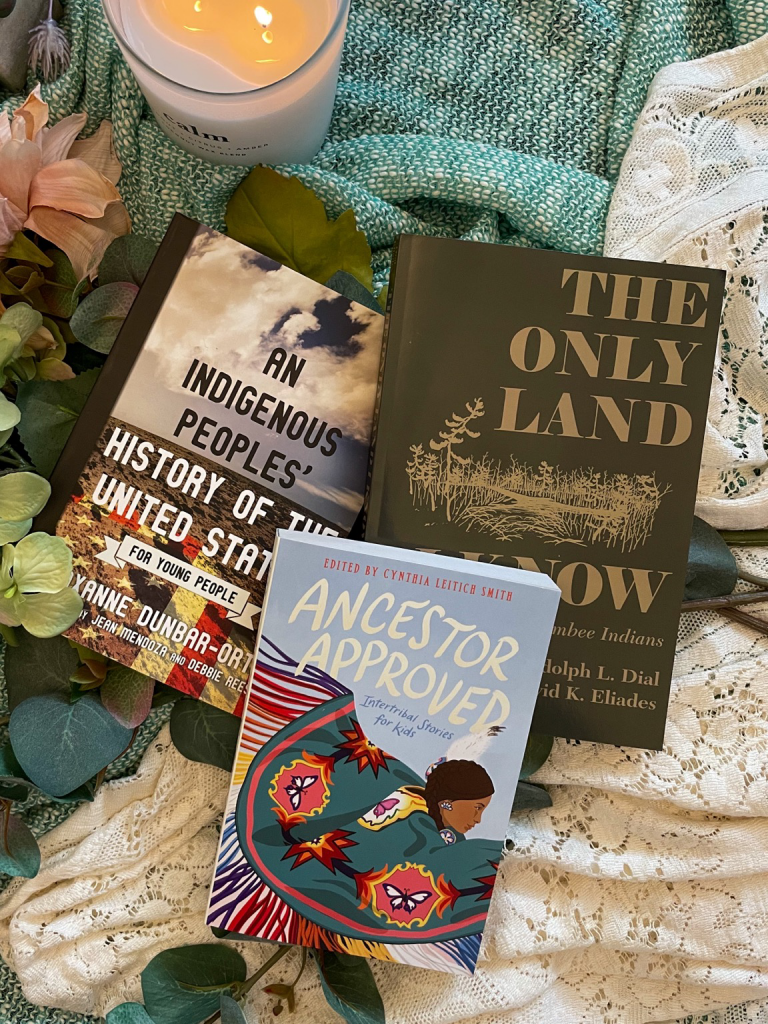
[
  {"x": 127, "y": 695},
  {"x": 86, "y": 792},
  {"x": 15, "y": 789},
  {"x": 128, "y": 258},
  {"x": 60, "y": 745},
  {"x": 202, "y": 732},
  {"x": 231, "y": 1011},
  {"x": 129, "y": 1013},
  {"x": 14, "y": 785},
  {"x": 350, "y": 988},
  {"x": 23, "y": 248},
  {"x": 351, "y": 289},
  {"x": 22, "y": 495},
  {"x": 97, "y": 320},
  {"x": 36, "y": 667},
  {"x": 529, "y": 797},
  {"x": 284, "y": 220},
  {"x": 49, "y": 410},
  {"x": 19, "y": 852},
  {"x": 537, "y": 750},
  {"x": 61, "y": 289},
  {"x": 712, "y": 569},
  {"x": 184, "y": 985}
]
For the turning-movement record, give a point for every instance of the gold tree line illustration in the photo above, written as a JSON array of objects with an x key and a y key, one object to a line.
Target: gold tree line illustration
[{"x": 578, "y": 506}]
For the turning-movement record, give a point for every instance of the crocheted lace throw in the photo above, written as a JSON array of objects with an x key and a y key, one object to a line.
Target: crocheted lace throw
[{"x": 693, "y": 189}]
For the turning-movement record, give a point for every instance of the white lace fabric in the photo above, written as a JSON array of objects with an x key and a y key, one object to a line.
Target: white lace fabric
[
  {"x": 693, "y": 190},
  {"x": 642, "y": 894},
  {"x": 123, "y": 878}
]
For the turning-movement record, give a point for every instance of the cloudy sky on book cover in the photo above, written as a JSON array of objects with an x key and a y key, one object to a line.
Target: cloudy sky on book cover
[{"x": 230, "y": 308}]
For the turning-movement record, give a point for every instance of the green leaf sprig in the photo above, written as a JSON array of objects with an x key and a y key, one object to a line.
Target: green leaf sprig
[
  {"x": 71, "y": 711},
  {"x": 202, "y": 732},
  {"x": 283, "y": 219},
  {"x": 350, "y": 987},
  {"x": 713, "y": 573}
]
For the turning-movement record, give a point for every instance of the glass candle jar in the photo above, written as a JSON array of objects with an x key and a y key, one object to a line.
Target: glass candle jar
[{"x": 221, "y": 117}]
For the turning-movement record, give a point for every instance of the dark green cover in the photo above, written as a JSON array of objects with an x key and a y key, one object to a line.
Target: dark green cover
[{"x": 548, "y": 410}]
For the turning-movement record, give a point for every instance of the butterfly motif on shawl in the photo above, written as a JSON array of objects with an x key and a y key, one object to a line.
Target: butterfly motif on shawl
[
  {"x": 297, "y": 787},
  {"x": 400, "y": 899}
]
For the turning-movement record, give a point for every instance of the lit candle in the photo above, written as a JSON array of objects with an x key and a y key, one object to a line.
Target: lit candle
[
  {"x": 234, "y": 82},
  {"x": 227, "y": 45}
]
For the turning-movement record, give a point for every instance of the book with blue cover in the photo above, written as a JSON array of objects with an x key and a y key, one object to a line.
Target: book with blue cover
[{"x": 380, "y": 748}]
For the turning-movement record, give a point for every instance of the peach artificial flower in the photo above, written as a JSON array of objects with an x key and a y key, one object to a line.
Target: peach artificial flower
[{"x": 61, "y": 189}]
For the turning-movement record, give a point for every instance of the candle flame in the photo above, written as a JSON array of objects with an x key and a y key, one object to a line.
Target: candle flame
[
  {"x": 198, "y": 5},
  {"x": 263, "y": 16}
]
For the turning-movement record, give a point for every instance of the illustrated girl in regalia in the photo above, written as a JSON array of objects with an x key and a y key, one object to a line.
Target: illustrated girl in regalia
[{"x": 336, "y": 844}]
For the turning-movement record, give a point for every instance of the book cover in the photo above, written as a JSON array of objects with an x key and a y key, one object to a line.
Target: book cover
[
  {"x": 380, "y": 749},
  {"x": 547, "y": 410},
  {"x": 237, "y": 399}
]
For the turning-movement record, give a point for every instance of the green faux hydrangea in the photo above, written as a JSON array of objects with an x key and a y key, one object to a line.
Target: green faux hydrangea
[{"x": 34, "y": 591}]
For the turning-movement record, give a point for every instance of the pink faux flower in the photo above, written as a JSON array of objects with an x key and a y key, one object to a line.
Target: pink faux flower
[{"x": 61, "y": 189}]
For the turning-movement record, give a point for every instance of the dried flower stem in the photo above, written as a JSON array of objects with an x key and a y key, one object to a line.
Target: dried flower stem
[
  {"x": 745, "y": 538},
  {"x": 239, "y": 990},
  {"x": 745, "y": 619},
  {"x": 728, "y": 601},
  {"x": 750, "y": 577}
]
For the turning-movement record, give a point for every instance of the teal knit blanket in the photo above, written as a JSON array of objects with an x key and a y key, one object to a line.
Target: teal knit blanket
[
  {"x": 496, "y": 120},
  {"x": 493, "y": 120}
]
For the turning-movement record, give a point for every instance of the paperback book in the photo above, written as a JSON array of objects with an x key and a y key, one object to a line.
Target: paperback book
[
  {"x": 237, "y": 399},
  {"x": 379, "y": 751},
  {"x": 547, "y": 410}
]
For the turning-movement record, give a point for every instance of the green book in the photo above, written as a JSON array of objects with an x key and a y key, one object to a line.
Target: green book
[{"x": 546, "y": 410}]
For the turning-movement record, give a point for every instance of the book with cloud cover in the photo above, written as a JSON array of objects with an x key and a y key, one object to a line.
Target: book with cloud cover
[
  {"x": 237, "y": 399},
  {"x": 379, "y": 751}
]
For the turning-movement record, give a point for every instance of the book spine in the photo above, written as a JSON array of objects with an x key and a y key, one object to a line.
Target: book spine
[
  {"x": 371, "y": 504},
  {"x": 125, "y": 352},
  {"x": 244, "y": 723}
]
